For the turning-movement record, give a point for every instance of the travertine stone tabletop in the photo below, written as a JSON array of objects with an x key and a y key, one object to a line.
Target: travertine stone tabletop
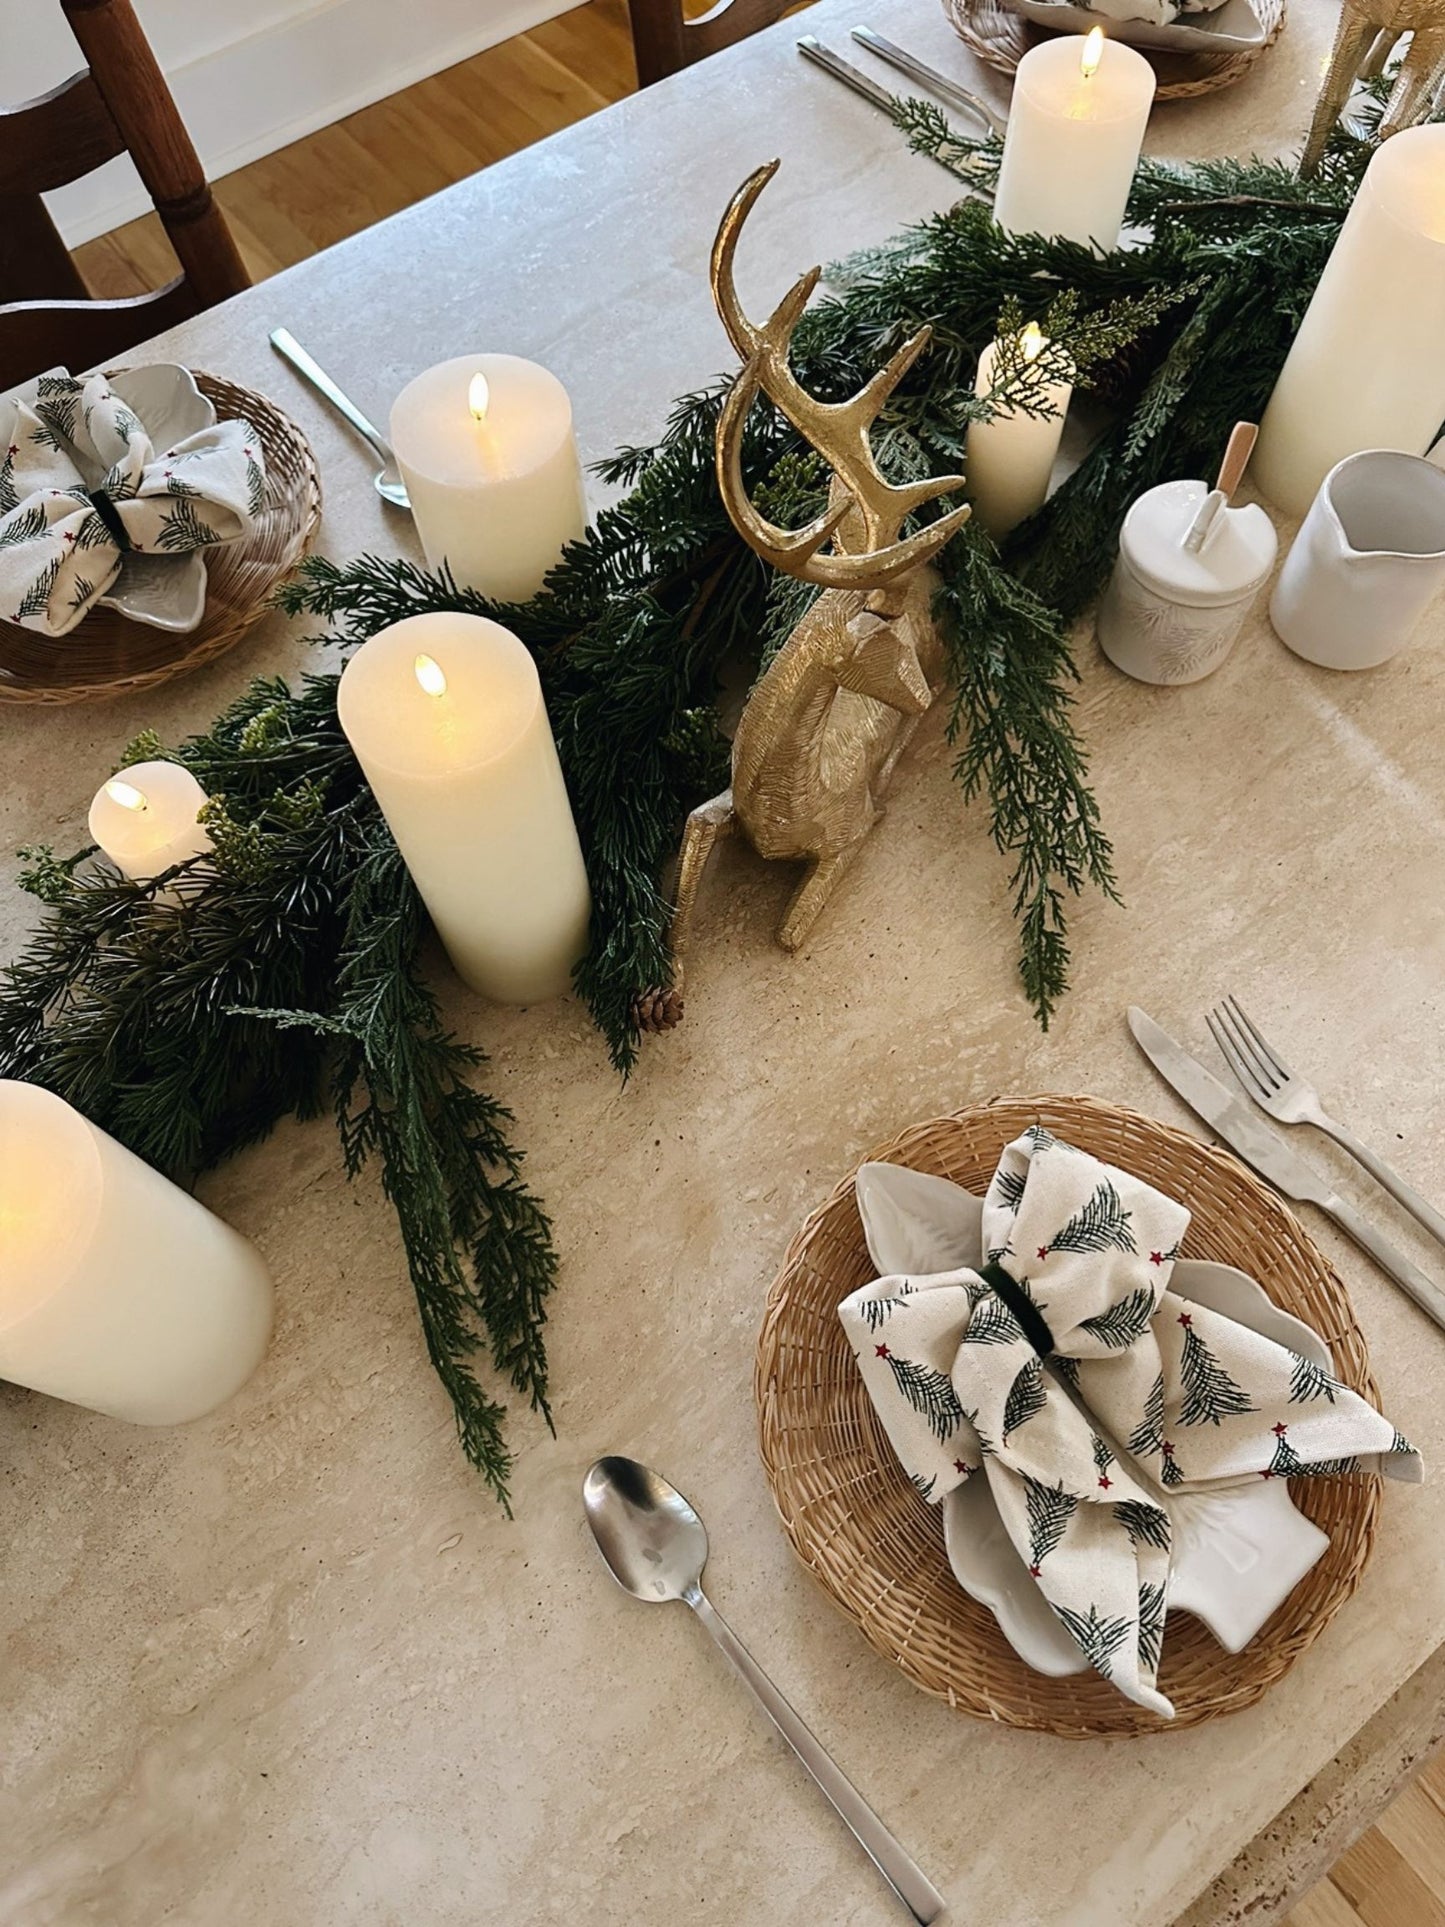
[{"x": 290, "y": 1666}]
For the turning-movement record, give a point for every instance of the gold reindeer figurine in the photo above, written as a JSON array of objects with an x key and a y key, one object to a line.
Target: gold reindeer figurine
[
  {"x": 829, "y": 718},
  {"x": 1366, "y": 35}
]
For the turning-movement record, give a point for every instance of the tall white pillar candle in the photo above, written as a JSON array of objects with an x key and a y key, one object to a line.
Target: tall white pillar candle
[
  {"x": 117, "y": 1290},
  {"x": 146, "y": 819},
  {"x": 486, "y": 446},
  {"x": 1075, "y": 127},
  {"x": 1367, "y": 368},
  {"x": 1010, "y": 458},
  {"x": 446, "y": 717}
]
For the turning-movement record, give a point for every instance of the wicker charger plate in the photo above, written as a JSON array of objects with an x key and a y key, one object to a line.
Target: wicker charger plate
[
  {"x": 1001, "y": 38},
  {"x": 108, "y": 656},
  {"x": 857, "y": 1523}
]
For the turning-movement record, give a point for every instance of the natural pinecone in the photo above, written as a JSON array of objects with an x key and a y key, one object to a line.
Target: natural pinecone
[{"x": 657, "y": 1009}]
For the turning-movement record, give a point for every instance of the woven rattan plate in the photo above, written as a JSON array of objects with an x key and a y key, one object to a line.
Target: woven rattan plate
[
  {"x": 108, "y": 656},
  {"x": 1001, "y": 38},
  {"x": 866, "y": 1535}
]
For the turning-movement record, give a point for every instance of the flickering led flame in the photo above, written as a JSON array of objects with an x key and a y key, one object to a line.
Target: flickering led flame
[
  {"x": 126, "y": 794},
  {"x": 1093, "y": 52},
  {"x": 1031, "y": 341},
  {"x": 430, "y": 675},
  {"x": 479, "y": 397}
]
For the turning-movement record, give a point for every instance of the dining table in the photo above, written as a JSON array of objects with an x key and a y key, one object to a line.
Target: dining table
[{"x": 290, "y": 1664}]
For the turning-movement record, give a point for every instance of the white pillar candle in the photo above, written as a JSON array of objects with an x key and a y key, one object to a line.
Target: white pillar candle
[
  {"x": 446, "y": 717},
  {"x": 486, "y": 446},
  {"x": 1010, "y": 458},
  {"x": 145, "y": 819},
  {"x": 1075, "y": 127},
  {"x": 117, "y": 1290},
  {"x": 1367, "y": 369}
]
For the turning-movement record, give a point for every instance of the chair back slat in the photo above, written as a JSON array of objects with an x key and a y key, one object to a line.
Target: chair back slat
[
  {"x": 36, "y": 335},
  {"x": 56, "y": 138},
  {"x": 121, "y": 103},
  {"x": 664, "y": 40}
]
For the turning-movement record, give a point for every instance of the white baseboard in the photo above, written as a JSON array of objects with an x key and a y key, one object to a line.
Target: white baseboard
[{"x": 268, "y": 88}]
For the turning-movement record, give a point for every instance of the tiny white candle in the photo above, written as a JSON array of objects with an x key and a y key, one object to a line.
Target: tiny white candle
[
  {"x": 446, "y": 717},
  {"x": 1367, "y": 368},
  {"x": 1076, "y": 125},
  {"x": 1010, "y": 458},
  {"x": 486, "y": 446},
  {"x": 117, "y": 1290},
  {"x": 145, "y": 819}
]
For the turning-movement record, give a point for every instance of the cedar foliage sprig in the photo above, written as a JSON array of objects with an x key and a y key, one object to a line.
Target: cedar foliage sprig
[{"x": 275, "y": 978}]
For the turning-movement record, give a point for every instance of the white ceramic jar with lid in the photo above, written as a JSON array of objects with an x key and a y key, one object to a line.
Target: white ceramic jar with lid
[{"x": 1171, "y": 614}]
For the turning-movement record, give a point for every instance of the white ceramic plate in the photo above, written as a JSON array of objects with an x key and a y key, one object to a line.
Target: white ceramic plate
[
  {"x": 1233, "y": 28},
  {"x": 1238, "y": 1553}
]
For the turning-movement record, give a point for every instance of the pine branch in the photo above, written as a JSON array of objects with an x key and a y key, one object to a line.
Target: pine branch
[
  {"x": 930, "y": 1393},
  {"x": 1026, "y": 1397},
  {"x": 1048, "y": 1510},
  {"x": 1124, "y": 1322},
  {"x": 1210, "y": 1394}
]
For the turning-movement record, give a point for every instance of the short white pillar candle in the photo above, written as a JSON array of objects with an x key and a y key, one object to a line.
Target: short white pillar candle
[
  {"x": 1076, "y": 125},
  {"x": 486, "y": 446},
  {"x": 1367, "y": 368},
  {"x": 446, "y": 717},
  {"x": 146, "y": 819},
  {"x": 1009, "y": 459},
  {"x": 117, "y": 1289}
]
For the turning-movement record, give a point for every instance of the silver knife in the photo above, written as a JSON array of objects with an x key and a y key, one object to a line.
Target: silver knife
[
  {"x": 1230, "y": 1118},
  {"x": 840, "y": 69},
  {"x": 937, "y": 83}
]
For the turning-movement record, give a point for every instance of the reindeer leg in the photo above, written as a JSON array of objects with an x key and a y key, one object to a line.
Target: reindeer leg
[
  {"x": 1420, "y": 75},
  {"x": 1353, "y": 41},
  {"x": 1374, "y": 63},
  {"x": 815, "y": 889},
  {"x": 706, "y": 826}
]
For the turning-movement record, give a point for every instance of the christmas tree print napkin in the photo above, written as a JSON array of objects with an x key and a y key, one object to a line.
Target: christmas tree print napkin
[
  {"x": 81, "y": 487},
  {"x": 1064, "y": 1370}
]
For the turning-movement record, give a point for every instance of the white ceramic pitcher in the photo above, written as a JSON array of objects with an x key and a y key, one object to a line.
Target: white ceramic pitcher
[{"x": 1368, "y": 560}]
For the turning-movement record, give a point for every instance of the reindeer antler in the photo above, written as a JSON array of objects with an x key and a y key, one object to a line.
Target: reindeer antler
[{"x": 837, "y": 430}]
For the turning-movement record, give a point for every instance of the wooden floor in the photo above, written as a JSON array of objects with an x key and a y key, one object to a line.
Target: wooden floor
[{"x": 321, "y": 189}]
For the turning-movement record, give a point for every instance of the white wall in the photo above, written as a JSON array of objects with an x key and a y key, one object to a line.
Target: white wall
[{"x": 251, "y": 75}]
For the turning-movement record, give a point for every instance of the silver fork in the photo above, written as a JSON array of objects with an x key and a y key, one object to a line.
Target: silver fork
[{"x": 1277, "y": 1090}]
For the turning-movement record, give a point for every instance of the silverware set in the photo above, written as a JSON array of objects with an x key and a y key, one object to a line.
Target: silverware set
[
  {"x": 946, "y": 90},
  {"x": 1282, "y": 1094}
]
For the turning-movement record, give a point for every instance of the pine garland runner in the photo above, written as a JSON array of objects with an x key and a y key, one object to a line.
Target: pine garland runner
[{"x": 290, "y": 983}]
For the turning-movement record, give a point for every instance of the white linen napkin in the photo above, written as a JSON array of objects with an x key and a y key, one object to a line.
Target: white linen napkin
[
  {"x": 1067, "y": 1372},
  {"x": 81, "y": 487}
]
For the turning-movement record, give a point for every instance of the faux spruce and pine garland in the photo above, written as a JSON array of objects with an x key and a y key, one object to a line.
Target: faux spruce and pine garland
[{"x": 291, "y": 985}]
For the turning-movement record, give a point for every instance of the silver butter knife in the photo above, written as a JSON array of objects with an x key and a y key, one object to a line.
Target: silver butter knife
[
  {"x": 937, "y": 83},
  {"x": 1230, "y": 1118},
  {"x": 812, "y": 48}
]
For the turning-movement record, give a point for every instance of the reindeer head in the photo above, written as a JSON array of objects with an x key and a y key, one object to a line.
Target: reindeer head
[{"x": 865, "y": 512}]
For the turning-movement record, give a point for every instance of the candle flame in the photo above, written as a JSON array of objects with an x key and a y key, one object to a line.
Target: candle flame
[
  {"x": 1031, "y": 341},
  {"x": 126, "y": 794},
  {"x": 430, "y": 675},
  {"x": 479, "y": 397},
  {"x": 1093, "y": 52}
]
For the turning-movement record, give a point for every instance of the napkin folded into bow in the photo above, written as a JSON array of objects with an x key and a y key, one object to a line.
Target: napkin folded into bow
[
  {"x": 1084, "y": 1389},
  {"x": 81, "y": 487}
]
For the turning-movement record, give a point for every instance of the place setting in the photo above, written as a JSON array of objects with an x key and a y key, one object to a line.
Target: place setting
[{"x": 1061, "y": 1406}]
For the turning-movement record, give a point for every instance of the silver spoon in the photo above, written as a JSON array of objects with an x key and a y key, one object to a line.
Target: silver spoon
[
  {"x": 656, "y": 1547},
  {"x": 389, "y": 485}
]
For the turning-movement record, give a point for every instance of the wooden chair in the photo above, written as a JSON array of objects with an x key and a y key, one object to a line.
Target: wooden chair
[
  {"x": 665, "y": 40},
  {"x": 119, "y": 103}
]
